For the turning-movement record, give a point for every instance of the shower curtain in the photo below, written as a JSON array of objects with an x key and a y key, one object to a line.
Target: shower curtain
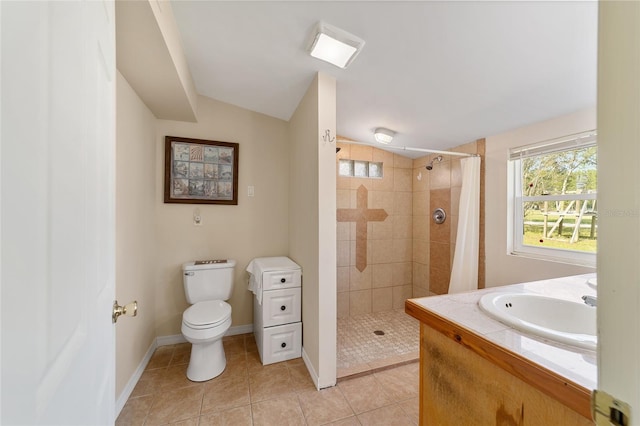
[{"x": 464, "y": 274}]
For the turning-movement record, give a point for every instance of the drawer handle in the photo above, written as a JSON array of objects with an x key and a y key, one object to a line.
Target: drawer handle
[
  {"x": 283, "y": 345},
  {"x": 283, "y": 308},
  {"x": 283, "y": 280}
]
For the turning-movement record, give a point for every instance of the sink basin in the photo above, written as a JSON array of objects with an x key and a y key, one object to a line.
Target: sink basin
[{"x": 564, "y": 321}]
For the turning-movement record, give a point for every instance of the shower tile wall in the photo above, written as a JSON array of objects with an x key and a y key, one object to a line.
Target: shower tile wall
[
  {"x": 421, "y": 228},
  {"x": 386, "y": 281},
  {"x": 434, "y": 245}
]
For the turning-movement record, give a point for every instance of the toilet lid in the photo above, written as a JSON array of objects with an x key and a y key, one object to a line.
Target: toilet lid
[{"x": 207, "y": 313}]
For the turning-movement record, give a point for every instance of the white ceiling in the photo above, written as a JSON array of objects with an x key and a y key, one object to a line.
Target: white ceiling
[{"x": 439, "y": 73}]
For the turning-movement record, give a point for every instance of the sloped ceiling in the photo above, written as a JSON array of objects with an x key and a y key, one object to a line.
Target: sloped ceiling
[
  {"x": 439, "y": 73},
  {"x": 150, "y": 58}
]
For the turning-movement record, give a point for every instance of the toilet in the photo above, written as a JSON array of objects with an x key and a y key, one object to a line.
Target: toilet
[{"x": 207, "y": 284}]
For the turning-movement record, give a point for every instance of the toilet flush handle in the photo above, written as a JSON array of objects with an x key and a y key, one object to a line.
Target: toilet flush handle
[{"x": 130, "y": 309}]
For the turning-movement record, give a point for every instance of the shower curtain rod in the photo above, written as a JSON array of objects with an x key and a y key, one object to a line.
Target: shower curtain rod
[{"x": 408, "y": 148}]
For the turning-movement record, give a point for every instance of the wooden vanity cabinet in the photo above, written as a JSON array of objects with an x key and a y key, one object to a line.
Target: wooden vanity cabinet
[{"x": 468, "y": 380}]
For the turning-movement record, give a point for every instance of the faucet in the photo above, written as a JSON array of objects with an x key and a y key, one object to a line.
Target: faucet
[{"x": 590, "y": 300}]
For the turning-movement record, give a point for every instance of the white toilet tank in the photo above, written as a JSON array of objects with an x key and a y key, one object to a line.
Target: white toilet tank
[{"x": 208, "y": 280}]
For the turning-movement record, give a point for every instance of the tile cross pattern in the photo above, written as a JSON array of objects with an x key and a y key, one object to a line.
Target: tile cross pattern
[{"x": 361, "y": 215}]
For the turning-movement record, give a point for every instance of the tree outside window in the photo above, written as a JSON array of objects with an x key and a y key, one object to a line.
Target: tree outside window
[{"x": 555, "y": 191}]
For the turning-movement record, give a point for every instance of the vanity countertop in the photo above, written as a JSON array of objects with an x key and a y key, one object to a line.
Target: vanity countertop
[{"x": 528, "y": 356}]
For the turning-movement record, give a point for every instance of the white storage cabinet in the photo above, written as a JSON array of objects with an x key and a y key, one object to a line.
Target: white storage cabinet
[{"x": 277, "y": 320}]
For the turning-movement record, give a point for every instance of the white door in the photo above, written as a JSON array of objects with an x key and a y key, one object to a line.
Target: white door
[
  {"x": 57, "y": 212},
  {"x": 618, "y": 199}
]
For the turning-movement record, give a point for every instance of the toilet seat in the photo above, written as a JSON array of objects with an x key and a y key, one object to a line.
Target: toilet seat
[{"x": 207, "y": 314}]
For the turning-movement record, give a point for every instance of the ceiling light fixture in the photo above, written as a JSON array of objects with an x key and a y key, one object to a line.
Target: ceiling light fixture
[
  {"x": 384, "y": 136},
  {"x": 334, "y": 45}
]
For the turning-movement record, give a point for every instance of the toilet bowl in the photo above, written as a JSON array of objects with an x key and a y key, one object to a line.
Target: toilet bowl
[
  {"x": 203, "y": 325},
  {"x": 207, "y": 284}
]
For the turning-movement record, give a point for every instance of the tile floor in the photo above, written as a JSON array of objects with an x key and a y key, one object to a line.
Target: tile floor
[
  {"x": 360, "y": 349},
  {"x": 248, "y": 393}
]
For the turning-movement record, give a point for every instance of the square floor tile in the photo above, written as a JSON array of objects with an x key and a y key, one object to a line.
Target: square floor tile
[
  {"x": 324, "y": 406},
  {"x": 364, "y": 394},
  {"x": 220, "y": 395},
  {"x": 391, "y": 415},
  {"x": 176, "y": 405},
  {"x": 239, "y": 416},
  {"x": 135, "y": 411},
  {"x": 249, "y": 393},
  {"x": 278, "y": 411}
]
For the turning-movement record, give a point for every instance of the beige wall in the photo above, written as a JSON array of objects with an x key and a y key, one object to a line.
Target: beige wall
[
  {"x": 171, "y": 36},
  {"x": 434, "y": 244},
  {"x": 618, "y": 202},
  {"x": 386, "y": 281},
  {"x": 303, "y": 210},
  {"x": 312, "y": 238},
  {"x": 327, "y": 318},
  {"x": 150, "y": 57},
  {"x": 502, "y": 268},
  {"x": 135, "y": 229},
  {"x": 257, "y": 226}
]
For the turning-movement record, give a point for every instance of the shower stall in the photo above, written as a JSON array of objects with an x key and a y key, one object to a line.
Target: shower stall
[{"x": 389, "y": 249}]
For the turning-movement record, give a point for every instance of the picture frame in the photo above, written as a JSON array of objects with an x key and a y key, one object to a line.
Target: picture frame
[{"x": 198, "y": 171}]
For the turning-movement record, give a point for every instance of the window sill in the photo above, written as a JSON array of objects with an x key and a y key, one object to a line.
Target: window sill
[{"x": 578, "y": 259}]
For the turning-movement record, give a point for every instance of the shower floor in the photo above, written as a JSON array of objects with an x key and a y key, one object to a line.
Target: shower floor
[{"x": 361, "y": 346}]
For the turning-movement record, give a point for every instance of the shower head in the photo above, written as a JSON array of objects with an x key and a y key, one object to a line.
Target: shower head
[{"x": 430, "y": 165}]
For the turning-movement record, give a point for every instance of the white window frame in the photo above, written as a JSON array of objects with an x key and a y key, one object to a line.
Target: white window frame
[{"x": 515, "y": 198}]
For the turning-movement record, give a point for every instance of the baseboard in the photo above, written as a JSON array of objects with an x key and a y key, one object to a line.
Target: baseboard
[
  {"x": 240, "y": 329},
  {"x": 164, "y": 341},
  {"x": 133, "y": 381},
  {"x": 325, "y": 385},
  {"x": 173, "y": 339},
  {"x": 310, "y": 369},
  {"x": 314, "y": 374}
]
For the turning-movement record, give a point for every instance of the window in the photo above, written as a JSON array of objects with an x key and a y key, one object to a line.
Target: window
[
  {"x": 553, "y": 188},
  {"x": 360, "y": 168}
]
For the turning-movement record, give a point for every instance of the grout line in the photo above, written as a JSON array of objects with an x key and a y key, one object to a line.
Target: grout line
[
  {"x": 289, "y": 366},
  {"x": 358, "y": 340},
  {"x": 376, "y": 370}
]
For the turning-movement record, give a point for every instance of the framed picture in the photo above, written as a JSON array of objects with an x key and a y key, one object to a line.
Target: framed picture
[{"x": 198, "y": 171}]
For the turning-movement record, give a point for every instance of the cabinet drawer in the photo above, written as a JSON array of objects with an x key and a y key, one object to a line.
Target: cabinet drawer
[
  {"x": 281, "y": 343},
  {"x": 275, "y": 280},
  {"x": 281, "y": 306}
]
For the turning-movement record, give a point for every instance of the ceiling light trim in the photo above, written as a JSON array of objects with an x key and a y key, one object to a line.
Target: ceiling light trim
[
  {"x": 383, "y": 135},
  {"x": 334, "y": 45}
]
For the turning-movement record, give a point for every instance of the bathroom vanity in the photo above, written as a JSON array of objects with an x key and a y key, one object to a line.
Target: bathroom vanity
[{"x": 477, "y": 370}]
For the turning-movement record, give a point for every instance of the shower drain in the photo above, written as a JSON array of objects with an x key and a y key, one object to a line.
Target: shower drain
[{"x": 379, "y": 333}]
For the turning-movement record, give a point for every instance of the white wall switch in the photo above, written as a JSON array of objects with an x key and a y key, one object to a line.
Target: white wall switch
[{"x": 250, "y": 191}]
